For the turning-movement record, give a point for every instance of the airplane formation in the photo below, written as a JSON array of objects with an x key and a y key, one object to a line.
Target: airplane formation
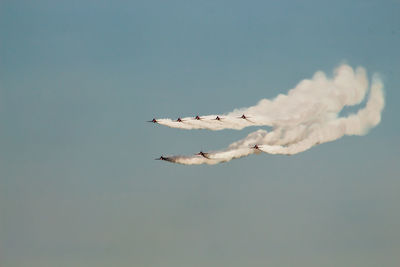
[
  {"x": 201, "y": 153},
  {"x": 244, "y": 117}
]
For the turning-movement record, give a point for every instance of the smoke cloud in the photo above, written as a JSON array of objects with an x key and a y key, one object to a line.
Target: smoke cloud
[{"x": 307, "y": 115}]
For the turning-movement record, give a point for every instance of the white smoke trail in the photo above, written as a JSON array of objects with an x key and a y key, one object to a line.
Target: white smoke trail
[{"x": 306, "y": 116}]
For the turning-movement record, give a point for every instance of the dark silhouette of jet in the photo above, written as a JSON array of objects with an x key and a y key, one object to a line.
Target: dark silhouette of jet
[
  {"x": 153, "y": 121},
  {"x": 204, "y": 155},
  {"x": 164, "y": 158},
  {"x": 244, "y": 117},
  {"x": 255, "y": 147}
]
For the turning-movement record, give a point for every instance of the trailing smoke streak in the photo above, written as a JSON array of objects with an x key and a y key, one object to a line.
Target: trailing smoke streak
[{"x": 306, "y": 116}]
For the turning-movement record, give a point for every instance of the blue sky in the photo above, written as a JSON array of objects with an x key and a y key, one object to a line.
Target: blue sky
[{"x": 78, "y": 183}]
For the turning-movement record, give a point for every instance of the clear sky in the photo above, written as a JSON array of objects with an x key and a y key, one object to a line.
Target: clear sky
[{"x": 78, "y": 183}]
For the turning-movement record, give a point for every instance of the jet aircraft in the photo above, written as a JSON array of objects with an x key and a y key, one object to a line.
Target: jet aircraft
[
  {"x": 255, "y": 147},
  {"x": 244, "y": 117},
  {"x": 162, "y": 158},
  {"x": 204, "y": 155}
]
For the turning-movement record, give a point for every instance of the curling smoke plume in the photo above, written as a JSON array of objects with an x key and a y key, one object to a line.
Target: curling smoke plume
[{"x": 308, "y": 115}]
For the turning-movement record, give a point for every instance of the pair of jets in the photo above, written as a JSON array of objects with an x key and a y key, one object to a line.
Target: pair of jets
[
  {"x": 204, "y": 154},
  {"x": 201, "y": 153},
  {"x": 199, "y": 118}
]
